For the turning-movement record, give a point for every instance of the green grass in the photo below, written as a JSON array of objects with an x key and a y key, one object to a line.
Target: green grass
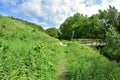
[
  {"x": 85, "y": 63},
  {"x": 26, "y": 53}
]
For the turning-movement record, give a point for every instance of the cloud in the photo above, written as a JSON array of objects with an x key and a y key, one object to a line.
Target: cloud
[{"x": 54, "y": 12}]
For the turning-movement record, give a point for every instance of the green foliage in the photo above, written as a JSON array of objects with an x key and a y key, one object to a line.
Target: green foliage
[
  {"x": 1, "y": 33},
  {"x": 33, "y": 61},
  {"x": 113, "y": 43},
  {"x": 110, "y": 17},
  {"x": 29, "y": 54},
  {"x": 53, "y": 32},
  {"x": 32, "y": 25},
  {"x": 77, "y": 23},
  {"x": 66, "y": 28},
  {"x": 86, "y": 64},
  {"x": 96, "y": 28},
  {"x": 111, "y": 34},
  {"x": 111, "y": 20},
  {"x": 83, "y": 27}
]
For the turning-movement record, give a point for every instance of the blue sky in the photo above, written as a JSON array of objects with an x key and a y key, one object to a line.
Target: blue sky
[{"x": 51, "y": 13}]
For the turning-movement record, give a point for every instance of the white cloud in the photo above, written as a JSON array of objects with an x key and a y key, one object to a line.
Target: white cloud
[{"x": 56, "y": 11}]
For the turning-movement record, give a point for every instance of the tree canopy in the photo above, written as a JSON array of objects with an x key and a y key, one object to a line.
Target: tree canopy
[
  {"x": 104, "y": 25},
  {"x": 110, "y": 17},
  {"x": 95, "y": 26}
]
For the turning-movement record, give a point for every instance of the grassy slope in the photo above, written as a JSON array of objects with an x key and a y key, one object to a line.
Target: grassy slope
[
  {"x": 27, "y": 53},
  {"x": 85, "y": 63}
]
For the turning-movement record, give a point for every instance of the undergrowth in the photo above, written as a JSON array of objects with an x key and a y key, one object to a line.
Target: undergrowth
[
  {"x": 84, "y": 63},
  {"x": 26, "y": 53}
]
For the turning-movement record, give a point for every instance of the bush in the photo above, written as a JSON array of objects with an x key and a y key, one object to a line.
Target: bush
[
  {"x": 53, "y": 32},
  {"x": 111, "y": 50}
]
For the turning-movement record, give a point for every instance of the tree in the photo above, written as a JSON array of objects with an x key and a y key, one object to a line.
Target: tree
[
  {"x": 110, "y": 17},
  {"x": 83, "y": 27},
  {"x": 90, "y": 27},
  {"x": 96, "y": 27},
  {"x": 75, "y": 23},
  {"x": 112, "y": 35},
  {"x": 53, "y": 32},
  {"x": 66, "y": 28},
  {"x": 111, "y": 20},
  {"x": 113, "y": 43}
]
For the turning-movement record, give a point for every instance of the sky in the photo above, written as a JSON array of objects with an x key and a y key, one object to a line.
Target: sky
[{"x": 52, "y": 13}]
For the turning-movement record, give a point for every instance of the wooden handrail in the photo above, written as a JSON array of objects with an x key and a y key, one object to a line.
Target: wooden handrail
[{"x": 91, "y": 42}]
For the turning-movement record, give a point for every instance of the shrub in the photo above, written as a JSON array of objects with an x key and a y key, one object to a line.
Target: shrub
[
  {"x": 53, "y": 32},
  {"x": 111, "y": 50}
]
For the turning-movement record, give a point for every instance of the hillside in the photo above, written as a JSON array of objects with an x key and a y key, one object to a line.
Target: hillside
[{"x": 27, "y": 53}]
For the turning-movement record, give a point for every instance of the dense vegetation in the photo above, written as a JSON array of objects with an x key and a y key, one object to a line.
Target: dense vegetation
[
  {"x": 104, "y": 25},
  {"x": 82, "y": 26},
  {"x": 85, "y": 63},
  {"x": 94, "y": 26},
  {"x": 28, "y": 53},
  {"x": 111, "y": 50},
  {"x": 53, "y": 32}
]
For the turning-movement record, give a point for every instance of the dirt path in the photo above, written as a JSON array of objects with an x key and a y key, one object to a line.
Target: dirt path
[{"x": 62, "y": 70}]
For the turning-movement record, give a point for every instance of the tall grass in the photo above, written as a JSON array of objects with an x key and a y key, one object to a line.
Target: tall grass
[
  {"x": 85, "y": 63},
  {"x": 26, "y": 53},
  {"x": 29, "y": 54}
]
